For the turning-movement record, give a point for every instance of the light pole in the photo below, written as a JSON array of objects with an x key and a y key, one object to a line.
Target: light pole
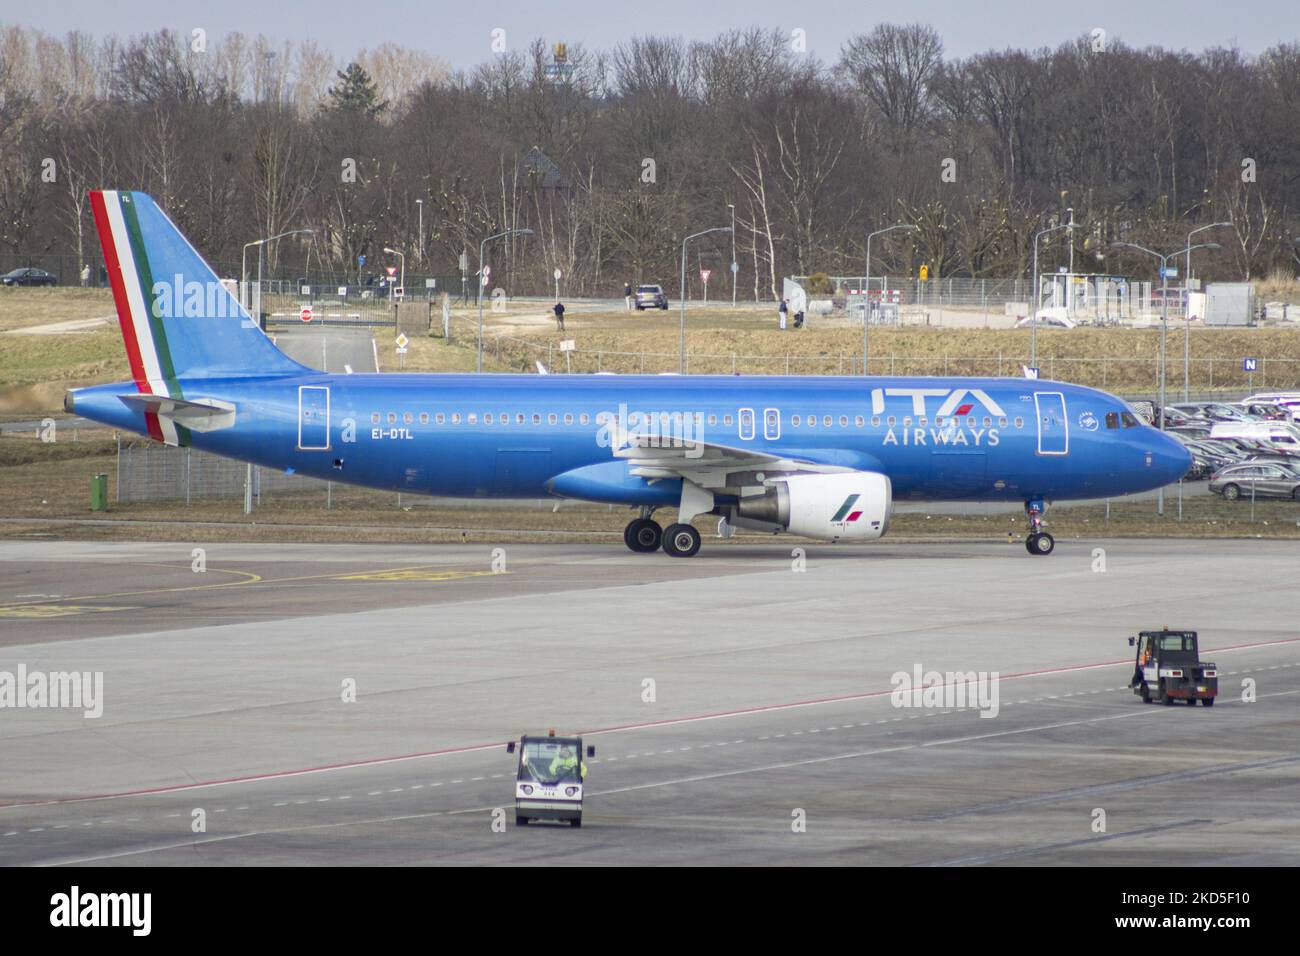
[
  {"x": 1033, "y": 306},
  {"x": 681, "y": 351},
  {"x": 401, "y": 283},
  {"x": 243, "y": 263},
  {"x": 866, "y": 314},
  {"x": 1164, "y": 327},
  {"x": 1187, "y": 318},
  {"x": 735, "y": 268},
  {"x": 419, "y": 251},
  {"x": 482, "y": 281}
]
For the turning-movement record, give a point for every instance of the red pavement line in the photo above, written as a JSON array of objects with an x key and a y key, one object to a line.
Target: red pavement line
[{"x": 646, "y": 725}]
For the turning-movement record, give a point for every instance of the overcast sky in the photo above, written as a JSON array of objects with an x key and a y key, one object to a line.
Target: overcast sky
[{"x": 460, "y": 33}]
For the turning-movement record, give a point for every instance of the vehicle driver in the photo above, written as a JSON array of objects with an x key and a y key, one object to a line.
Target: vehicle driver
[{"x": 566, "y": 762}]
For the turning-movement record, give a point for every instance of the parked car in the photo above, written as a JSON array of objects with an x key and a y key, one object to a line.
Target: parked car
[
  {"x": 1267, "y": 411},
  {"x": 29, "y": 276},
  {"x": 650, "y": 297},
  {"x": 1257, "y": 480}
]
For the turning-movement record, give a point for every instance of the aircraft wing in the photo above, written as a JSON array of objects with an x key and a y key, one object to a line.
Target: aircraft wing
[{"x": 711, "y": 465}]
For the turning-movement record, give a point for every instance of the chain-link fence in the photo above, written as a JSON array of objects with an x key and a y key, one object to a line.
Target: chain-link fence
[
  {"x": 1106, "y": 372},
  {"x": 152, "y": 472}
]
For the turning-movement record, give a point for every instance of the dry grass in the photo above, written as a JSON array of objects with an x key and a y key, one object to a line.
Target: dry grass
[{"x": 22, "y": 308}]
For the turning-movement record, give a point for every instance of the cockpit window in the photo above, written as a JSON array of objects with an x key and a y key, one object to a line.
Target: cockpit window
[
  {"x": 1112, "y": 420},
  {"x": 1129, "y": 419}
]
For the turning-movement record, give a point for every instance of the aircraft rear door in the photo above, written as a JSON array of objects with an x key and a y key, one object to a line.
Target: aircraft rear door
[{"x": 313, "y": 417}]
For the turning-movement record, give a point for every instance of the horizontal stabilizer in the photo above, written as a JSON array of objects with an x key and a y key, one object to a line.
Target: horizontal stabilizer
[{"x": 199, "y": 414}]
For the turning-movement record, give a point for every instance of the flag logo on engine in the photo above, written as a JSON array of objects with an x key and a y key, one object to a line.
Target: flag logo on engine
[{"x": 849, "y": 502}]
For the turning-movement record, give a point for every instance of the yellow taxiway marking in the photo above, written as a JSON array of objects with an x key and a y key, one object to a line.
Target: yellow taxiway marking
[
  {"x": 44, "y": 611},
  {"x": 415, "y": 574},
  {"x": 420, "y": 572}
]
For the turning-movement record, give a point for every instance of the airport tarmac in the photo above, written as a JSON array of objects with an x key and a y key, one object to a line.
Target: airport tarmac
[{"x": 739, "y": 702}]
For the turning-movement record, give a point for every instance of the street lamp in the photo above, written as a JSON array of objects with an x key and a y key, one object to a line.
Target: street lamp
[
  {"x": 866, "y": 314},
  {"x": 1164, "y": 326},
  {"x": 482, "y": 281},
  {"x": 681, "y": 353},
  {"x": 419, "y": 252},
  {"x": 1033, "y": 306},
  {"x": 1187, "y": 323},
  {"x": 735, "y": 268},
  {"x": 401, "y": 283},
  {"x": 243, "y": 264}
]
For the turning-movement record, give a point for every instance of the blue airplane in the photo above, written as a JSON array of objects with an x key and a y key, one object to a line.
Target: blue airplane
[{"x": 821, "y": 457}]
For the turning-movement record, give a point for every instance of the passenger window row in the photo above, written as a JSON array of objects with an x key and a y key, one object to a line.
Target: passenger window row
[{"x": 636, "y": 418}]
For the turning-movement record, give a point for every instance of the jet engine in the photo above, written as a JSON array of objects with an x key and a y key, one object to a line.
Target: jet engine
[{"x": 847, "y": 506}]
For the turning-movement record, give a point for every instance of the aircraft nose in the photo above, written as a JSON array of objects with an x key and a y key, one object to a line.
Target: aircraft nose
[{"x": 1170, "y": 458}]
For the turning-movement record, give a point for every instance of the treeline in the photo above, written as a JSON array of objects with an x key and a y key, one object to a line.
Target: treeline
[{"x": 611, "y": 157}]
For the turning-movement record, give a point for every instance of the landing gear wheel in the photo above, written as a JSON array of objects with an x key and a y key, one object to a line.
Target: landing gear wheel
[
  {"x": 521, "y": 821},
  {"x": 643, "y": 535},
  {"x": 1040, "y": 542},
  {"x": 681, "y": 541}
]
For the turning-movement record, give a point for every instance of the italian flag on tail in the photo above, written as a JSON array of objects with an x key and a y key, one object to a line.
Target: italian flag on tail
[{"x": 144, "y": 334}]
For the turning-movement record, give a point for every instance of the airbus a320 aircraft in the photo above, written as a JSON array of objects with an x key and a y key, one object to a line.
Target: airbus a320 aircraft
[{"x": 820, "y": 457}]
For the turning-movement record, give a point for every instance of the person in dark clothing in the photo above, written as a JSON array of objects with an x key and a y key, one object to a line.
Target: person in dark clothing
[{"x": 559, "y": 316}]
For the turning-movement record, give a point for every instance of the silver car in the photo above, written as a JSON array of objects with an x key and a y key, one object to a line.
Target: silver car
[{"x": 1263, "y": 480}]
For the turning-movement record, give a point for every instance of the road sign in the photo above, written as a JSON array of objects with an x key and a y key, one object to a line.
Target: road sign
[
  {"x": 704, "y": 274},
  {"x": 1169, "y": 272},
  {"x": 361, "y": 260},
  {"x": 735, "y": 267},
  {"x": 464, "y": 262},
  {"x": 431, "y": 283},
  {"x": 568, "y": 345},
  {"x": 558, "y": 273},
  {"x": 1031, "y": 371},
  {"x": 402, "y": 341},
  {"x": 399, "y": 293},
  {"x": 343, "y": 291},
  {"x": 305, "y": 315},
  {"x": 1250, "y": 365},
  {"x": 487, "y": 271},
  {"x": 391, "y": 270}
]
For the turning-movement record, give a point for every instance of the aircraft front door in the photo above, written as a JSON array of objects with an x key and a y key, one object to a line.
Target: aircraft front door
[
  {"x": 313, "y": 417},
  {"x": 1053, "y": 426}
]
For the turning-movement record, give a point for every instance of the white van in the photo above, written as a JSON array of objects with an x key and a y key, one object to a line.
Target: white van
[{"x": 1280, "y": 435}]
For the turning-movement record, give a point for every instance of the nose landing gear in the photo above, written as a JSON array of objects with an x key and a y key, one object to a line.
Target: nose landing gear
[{"x": 1037, "y": 541}]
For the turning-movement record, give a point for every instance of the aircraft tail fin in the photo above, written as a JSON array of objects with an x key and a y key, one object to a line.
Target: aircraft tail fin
[{"x": 179, "y": 322}]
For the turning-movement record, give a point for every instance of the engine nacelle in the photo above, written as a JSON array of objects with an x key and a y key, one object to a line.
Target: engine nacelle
[{"x": 849, "y": 506}]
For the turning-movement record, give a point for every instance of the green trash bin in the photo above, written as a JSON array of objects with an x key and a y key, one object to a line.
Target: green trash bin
[{"x": 99, "y": 492}]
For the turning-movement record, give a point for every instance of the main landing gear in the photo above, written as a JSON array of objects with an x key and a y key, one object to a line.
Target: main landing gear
[
  {"x": 679, "y": 540},
  {"x": 643, "y": 535},
  {"x": 1037, "y": 541}
]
